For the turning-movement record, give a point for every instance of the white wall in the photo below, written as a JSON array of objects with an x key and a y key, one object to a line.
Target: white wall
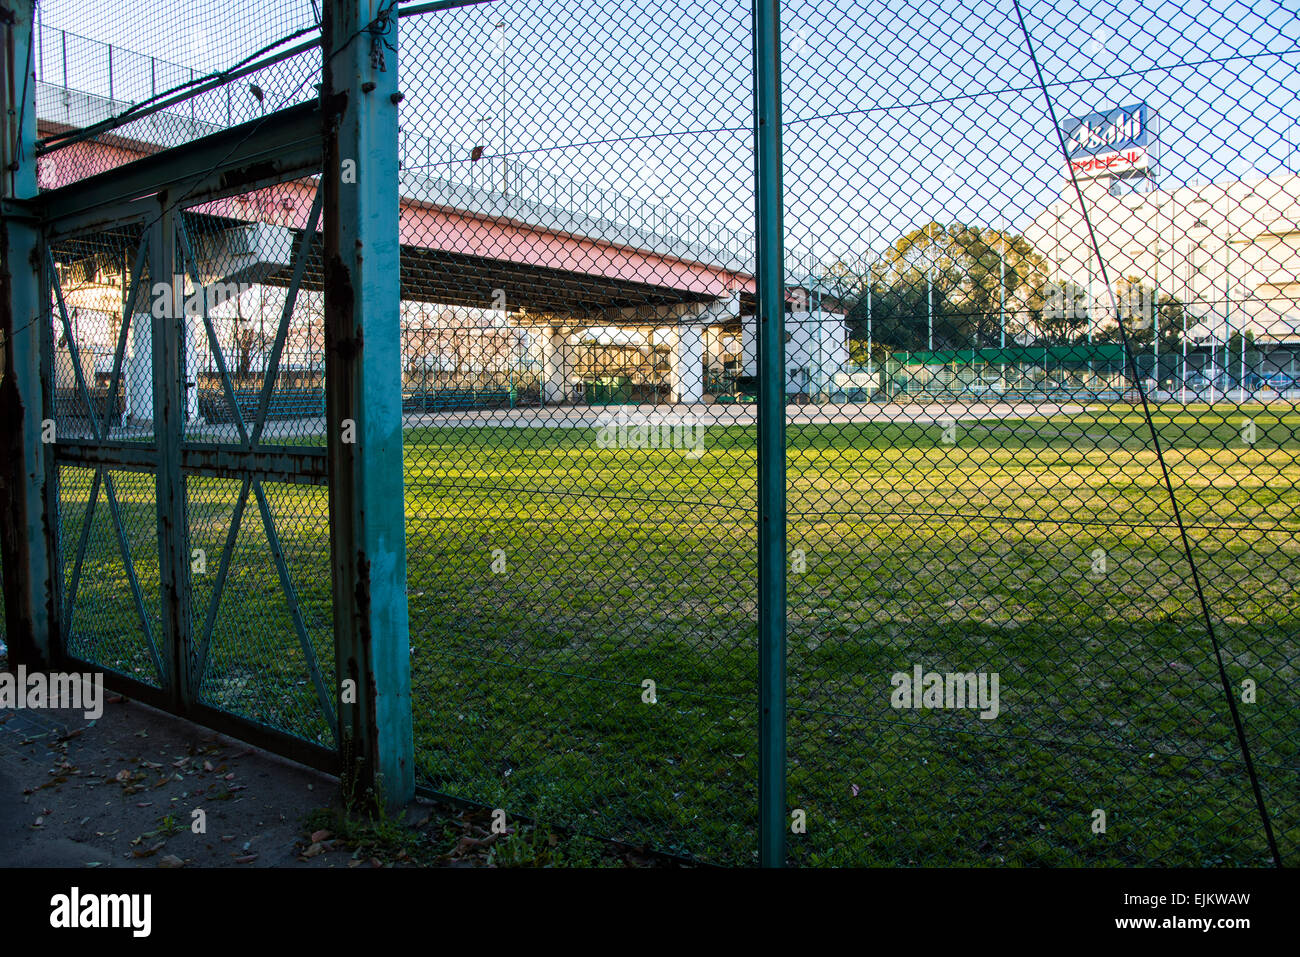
[{"x": 816, "y": 344}]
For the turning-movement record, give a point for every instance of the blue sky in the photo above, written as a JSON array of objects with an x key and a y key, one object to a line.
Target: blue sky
[{"x": 895, "y": 112}]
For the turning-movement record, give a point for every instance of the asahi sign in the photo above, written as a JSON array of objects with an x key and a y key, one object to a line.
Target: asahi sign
[{"x": 1113, "y": 143}]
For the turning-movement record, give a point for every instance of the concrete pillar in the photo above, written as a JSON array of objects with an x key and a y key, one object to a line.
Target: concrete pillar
[
  {"x": 557, "y": 364},
  {"x": 191, "y": 384},
  {"x": 749, "y": 346},
  {"x": 137, "y": 386},
  {"x": 686, "y": 369}
]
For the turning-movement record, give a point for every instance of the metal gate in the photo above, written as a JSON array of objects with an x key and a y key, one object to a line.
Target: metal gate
[{"x": 193, "y": 547}]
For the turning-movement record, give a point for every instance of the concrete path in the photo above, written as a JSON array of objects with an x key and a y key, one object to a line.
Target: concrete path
[{"x": 120, "y": 792}]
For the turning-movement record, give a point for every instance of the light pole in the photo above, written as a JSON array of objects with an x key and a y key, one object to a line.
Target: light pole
[
  {"x": 1227, "y": 318},
  {"x": 821, "y": 370},
  {"x": 1227, "y": 290},
  {"x": 1172, "y": 260},
  {"x": 929, "y": 288},
  {"x": 1002, "y": 291},
  {"x": 505, "y": 176},
  {"x": 871, "y": 273},
  {"x": 1155, "y": 315}
]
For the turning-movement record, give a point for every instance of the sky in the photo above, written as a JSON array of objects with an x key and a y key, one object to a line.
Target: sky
[{"x": 895, "y": 113}]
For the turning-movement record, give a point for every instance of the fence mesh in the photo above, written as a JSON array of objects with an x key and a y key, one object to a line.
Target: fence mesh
[
  {"x": 184, "y": 70},
  {"x": 1041, "y": 275},
  {"x": 581, "y": 557},
  {"x": 102, "y": 389},
  {"x": 255, "y": 357},
  {"x": 975, "y": 487}
]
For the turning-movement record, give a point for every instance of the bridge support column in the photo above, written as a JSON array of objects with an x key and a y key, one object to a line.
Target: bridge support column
[
  {"x": 138, "y": 384},
  {"x": 557, "y": 364},
  {"x": 686, "y": 372},
  {"x": 749, "y": 346},
  {"x": 191, "y": 370}
]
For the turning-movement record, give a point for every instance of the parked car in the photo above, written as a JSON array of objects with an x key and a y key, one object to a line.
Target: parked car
[{"x": 1277, "y": 381}]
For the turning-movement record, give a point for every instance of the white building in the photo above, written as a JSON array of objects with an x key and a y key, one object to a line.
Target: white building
[{"x": 1230, "y": 252}]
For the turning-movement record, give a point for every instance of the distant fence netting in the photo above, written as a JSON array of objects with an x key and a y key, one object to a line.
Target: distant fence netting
[
  {"x": 998, "y": 649},
  {"x": 577, "y": 191},
  {"x": 182, "y": 69}
]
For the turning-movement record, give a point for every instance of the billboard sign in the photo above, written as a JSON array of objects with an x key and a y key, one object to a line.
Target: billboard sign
[{"x": 1112, "y": 143}]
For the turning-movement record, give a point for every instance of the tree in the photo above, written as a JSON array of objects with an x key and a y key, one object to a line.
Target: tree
[
  {"x": 952, "y": 287},
  {"x": 1139, "y": 311}
]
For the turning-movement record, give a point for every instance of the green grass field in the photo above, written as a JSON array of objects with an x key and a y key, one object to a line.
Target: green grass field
[{"x": 627, "y": 565}]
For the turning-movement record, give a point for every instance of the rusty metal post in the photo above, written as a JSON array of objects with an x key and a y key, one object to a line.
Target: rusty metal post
[
  {"x": 363, "y": 399},
  {"x": 168, "y": 429},
  {"x": 26, "y": 539}
]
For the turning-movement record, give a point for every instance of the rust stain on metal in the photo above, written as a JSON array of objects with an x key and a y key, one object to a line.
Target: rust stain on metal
[
  {"x": 361, "y": 596},
  {"x": 14, "y": 544},
  {"x": 340, "y": 301},
  {"x": 334, "y": 105}
]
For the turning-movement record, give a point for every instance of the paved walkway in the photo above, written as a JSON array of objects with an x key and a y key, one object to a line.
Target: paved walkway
[{"x": 120, "y": 792}]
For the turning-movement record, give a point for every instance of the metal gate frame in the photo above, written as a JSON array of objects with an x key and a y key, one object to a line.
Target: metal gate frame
[
  {"x": 352, "y": 126},
  {"x": 354, "y": 122}
]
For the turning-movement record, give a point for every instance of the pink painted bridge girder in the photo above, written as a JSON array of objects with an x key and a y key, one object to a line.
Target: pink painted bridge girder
[{"x": 436, "y": 228}]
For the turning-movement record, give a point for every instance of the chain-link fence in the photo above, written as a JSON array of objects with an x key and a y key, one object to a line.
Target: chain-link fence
[
  {"x": 1041, "y": 329},
  {"x": 162, "y": 75},
  {"x": 581, "y": 533},
  {"x": 100, "y": 306},
  {"x": 1039, "y": 490},
  {"x": 1021, "y": 531},
  {"x": 245, "y": 295}
]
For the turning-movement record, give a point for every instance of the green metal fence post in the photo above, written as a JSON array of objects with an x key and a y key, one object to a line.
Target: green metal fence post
[
  {"x": 25, "y": 539},
  {"x": 770, "y": 282},
  {"x": 364, "y": 396}
]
